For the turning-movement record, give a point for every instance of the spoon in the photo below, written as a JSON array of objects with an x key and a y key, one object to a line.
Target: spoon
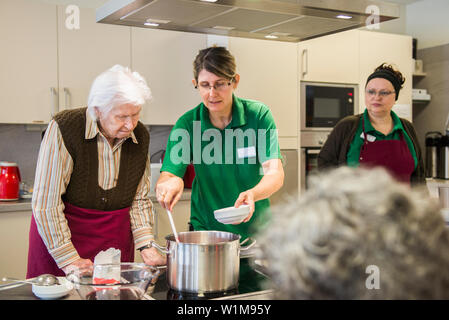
[
  {"x": 42, "y": 280},
  {"x": 172, "y": 225}
]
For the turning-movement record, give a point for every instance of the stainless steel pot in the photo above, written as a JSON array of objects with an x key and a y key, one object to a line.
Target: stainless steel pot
[{"x": 203, "y": 261}]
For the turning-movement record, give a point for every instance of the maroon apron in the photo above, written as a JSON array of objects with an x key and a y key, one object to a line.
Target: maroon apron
[
  {"x": 91, "y": 231},
  {"x": 393, "y": 155}
]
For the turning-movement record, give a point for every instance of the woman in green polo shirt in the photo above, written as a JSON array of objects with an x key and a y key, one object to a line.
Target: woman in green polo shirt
[
  {"x": 377, "y": 137},
  {"x": 232, "y": 143}
]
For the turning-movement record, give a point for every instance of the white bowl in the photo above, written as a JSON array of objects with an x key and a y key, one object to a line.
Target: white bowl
[
  {"x": 54, "y": 291},
  {"x": 232, "y": 215}
]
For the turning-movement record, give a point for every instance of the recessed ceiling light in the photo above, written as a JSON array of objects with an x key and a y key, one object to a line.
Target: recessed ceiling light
[
  {"x": 151, "y": 24},
  {"x": 280, "y": 34},
  {"x": 223, "y": 28},
  {"x": 344, "y": 16},
  {"x": 271, "y": 36},
  {"x": 159, "y": 21},
  {"x": 209, "y": 0}
]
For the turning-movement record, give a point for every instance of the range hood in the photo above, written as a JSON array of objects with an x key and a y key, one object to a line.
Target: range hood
[{"x": 281, "y": 20}]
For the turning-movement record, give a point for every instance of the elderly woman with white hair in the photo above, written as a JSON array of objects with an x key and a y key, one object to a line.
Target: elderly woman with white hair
[
  {"x": 358, "y": 234},
  {"x": 91, "y": 190}
]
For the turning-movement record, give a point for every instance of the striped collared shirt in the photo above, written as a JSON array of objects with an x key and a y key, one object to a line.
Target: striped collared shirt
[{"x": 53, "y": 171}]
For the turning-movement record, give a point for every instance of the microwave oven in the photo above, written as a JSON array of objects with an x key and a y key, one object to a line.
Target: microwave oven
[{"x": 322, "y": 105}]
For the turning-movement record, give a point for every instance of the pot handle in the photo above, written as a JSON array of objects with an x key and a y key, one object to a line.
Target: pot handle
[
  {"x": 248, "y": 246},
  {"x": 158, "y": 247}
]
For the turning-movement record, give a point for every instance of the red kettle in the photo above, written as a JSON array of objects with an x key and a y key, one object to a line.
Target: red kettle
[{"x": 9, "y": 181}]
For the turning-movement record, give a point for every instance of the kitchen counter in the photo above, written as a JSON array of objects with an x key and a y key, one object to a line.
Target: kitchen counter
[
  {"x": 20, "y": 205},
  {"x": 25, "y": 204},
  {"x": 23, "y": 292},
  {"x": 258, "y": 295},
  {"x": 433, "y": 184}
]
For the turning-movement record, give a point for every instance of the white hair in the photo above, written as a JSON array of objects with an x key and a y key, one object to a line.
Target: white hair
[{"x": 117, "y": 86}]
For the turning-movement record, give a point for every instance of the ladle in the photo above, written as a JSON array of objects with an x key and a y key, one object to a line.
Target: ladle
[
  {"x": 172, "y": 225},
  {"x": 42, "y": 280}
]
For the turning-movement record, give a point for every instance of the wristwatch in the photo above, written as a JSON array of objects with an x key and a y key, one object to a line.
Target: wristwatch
[{"x": 148, "y": 246}]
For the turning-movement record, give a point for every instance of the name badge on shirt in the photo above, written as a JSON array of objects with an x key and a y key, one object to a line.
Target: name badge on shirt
[
  {"x": 246, "y": 152},
  {"x": 369, "y": 137}
]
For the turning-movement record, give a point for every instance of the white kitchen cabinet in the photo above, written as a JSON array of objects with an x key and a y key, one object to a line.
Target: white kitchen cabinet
[
  {"x": 49, "y": 67},
  {"x": 165, "y": 59},
  {"x": 86, "y": 52},
  {"x": 376, "y": 48},
  {"x": 28, "y": 61},
  {"x": 332, "y": 58},
  {"x": 268, "y": 73},
  {"x": 14, "y": 230}
]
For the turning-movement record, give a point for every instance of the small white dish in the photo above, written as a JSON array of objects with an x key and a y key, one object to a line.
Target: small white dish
[
  {"x": 232, "y": 215},
  {"x": 53, "y": 292}
]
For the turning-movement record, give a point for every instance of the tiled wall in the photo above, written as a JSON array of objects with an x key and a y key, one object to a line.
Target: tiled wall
[{"x": 20, "y": 143}]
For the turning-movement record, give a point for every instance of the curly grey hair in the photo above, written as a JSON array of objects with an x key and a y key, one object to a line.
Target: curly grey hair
[{"x": 323, "y": 245}]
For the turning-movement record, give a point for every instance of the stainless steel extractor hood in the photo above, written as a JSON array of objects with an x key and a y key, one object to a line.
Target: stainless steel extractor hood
[{"x": 281, "y": 20}]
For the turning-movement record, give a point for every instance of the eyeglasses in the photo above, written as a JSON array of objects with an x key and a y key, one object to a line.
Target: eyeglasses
[
  {"x": 220, "y": 85},
  {"x": 382, "y": 94}
]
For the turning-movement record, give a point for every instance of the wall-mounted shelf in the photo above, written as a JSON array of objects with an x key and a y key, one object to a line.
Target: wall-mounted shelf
[
  {"x": 416, "y": 101},
  {"x": 420, "y": 96}
]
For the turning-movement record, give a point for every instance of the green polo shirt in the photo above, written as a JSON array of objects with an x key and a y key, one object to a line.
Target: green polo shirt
[
  {"x": 227, "y": 162},
  {"x": 353, "y": 155}
]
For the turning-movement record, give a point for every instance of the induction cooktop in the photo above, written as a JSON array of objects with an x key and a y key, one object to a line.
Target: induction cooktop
[{"x": 251, "y": 279}]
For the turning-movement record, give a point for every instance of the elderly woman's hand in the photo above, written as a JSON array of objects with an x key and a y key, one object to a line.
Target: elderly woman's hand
[
  {"x": 246, "y": 197},
  {"x": 152, "y": 257},
  {"x": 77, "y": 265},
  {"x": 169, "y": 190}
]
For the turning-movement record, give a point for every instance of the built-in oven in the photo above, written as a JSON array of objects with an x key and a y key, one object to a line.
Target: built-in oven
[
  {"x": 311, "y": 143},
  {"x": 322, "y": 105}
]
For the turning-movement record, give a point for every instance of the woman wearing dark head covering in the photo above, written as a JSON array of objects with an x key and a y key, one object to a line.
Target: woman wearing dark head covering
[{"x": 377, "y": 137}]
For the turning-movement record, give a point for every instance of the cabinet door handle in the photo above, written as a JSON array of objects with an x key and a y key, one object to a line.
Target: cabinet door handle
[
  {"x": 305, "y": 62},
  {"x": 54, "y": 101},
  {"x": 67, "y": 98}
]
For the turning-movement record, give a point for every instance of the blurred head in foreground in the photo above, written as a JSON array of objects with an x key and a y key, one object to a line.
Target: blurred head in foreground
[{"x": 358, "y": 234}]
